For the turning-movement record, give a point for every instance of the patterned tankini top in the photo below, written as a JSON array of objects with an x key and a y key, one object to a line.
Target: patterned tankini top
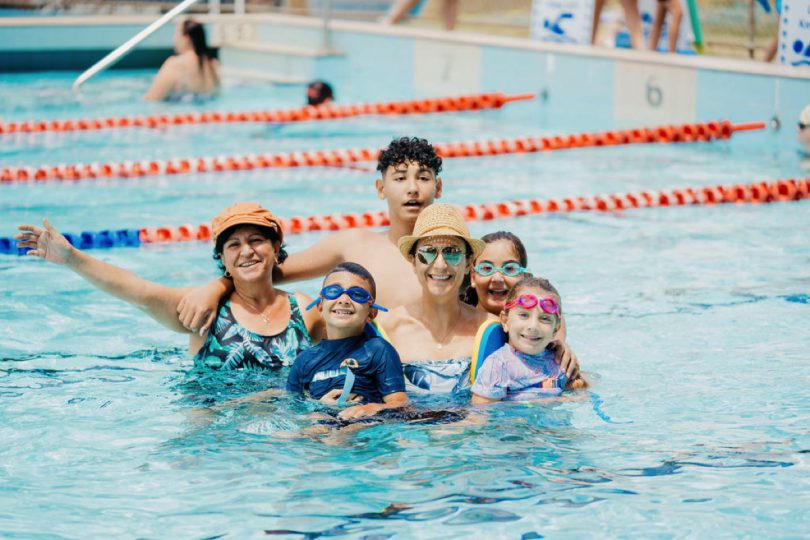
[{"x": 229, "y": 345}]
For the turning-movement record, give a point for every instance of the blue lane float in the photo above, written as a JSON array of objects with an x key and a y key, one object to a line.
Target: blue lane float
[{"x": 105, "y": 239}]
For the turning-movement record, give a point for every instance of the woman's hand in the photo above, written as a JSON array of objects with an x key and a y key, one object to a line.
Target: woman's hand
[{"x": 46, "y": 243}]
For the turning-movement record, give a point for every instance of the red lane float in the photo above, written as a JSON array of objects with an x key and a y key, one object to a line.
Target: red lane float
[
  {"x": 701, "y": 132},
  {"x": 757, "y": 192},
  {"x": 475, "y": 102}
]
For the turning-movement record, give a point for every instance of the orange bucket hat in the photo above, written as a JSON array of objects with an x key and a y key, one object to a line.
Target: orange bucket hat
[{"x": 245, "y": 213}]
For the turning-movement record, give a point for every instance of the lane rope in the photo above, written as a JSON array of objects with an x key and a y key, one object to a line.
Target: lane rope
[
  {"x": 475, "y": 102},
  {"x": 685, "y": 133},
  {"x": 757, "y": 192}
]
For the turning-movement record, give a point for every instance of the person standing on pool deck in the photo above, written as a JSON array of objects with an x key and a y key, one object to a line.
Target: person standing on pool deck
[{"x": 257, "y": 325}]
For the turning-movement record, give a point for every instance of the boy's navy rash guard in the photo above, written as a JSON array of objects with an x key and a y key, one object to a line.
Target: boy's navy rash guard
[{"x": 323, "y": 368}]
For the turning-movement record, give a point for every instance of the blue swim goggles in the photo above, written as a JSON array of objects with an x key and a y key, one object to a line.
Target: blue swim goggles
[{"x": 356, "y": 294}]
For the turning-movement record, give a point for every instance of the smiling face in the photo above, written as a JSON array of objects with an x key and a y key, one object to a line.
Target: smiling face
[
  {"x": 492, "y": 289},
  {"x": 409, "y": 187},
  {"x": 530, "y": 330},
  {"x": 343, "y": 316},
  {"x": 249, "y": 255},
  {"x": 440, "y": 277}
]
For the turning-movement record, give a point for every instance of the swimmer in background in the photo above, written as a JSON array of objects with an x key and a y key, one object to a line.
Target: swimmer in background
[
  {"x": 191, "y": 73},
  {"x": 803, "y": 135},
  {"x": 346, "y": 303},
  {"x": 320, "y": 93},
  {"x": 524, "y": 368}
]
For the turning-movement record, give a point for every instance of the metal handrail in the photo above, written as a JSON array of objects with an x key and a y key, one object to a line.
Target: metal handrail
[{"x": 124, "y": 48}]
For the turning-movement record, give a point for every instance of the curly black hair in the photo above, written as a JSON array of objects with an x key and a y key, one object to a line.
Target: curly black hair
[{"x": 407, "y": 149}]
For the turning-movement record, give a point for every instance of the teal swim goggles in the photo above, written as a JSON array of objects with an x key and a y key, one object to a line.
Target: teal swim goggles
[
  {"x": 356, "y": 294},
  {"x": 510, "y": 269}
]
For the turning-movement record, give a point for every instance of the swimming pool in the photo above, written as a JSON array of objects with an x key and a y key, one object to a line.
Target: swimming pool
[{"x": 691, "y": 320}]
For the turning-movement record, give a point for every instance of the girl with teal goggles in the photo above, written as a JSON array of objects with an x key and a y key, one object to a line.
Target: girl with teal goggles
[
  {"x": 356, "y": 294},
  {"x": 510, "y": 269}
]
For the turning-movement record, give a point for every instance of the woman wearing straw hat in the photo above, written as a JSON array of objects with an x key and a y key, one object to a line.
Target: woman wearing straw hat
[
  {"x": 434, "y": 332},
  {"x": 257, "y": 326}
]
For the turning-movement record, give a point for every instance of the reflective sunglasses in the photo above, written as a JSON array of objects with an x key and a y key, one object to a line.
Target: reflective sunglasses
[
  {"x": 530, "y": 301},
  {"x": 510, "y": 269},
  {"x": 428, "y": 254},
  {"x": 356, "y": 294}
]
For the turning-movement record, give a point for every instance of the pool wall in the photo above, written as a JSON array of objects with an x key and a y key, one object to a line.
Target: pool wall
[{"x": 627, "y": 88}]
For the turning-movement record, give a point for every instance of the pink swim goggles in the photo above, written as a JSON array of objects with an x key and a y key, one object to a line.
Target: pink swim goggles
[{"x": 530, "y": 301}]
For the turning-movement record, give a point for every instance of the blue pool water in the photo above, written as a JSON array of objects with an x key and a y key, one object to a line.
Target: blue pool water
[{"x": 691, "y": 321}]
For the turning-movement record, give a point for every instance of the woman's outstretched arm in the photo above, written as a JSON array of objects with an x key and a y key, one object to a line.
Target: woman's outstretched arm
[{"x": 158, "y": 301}]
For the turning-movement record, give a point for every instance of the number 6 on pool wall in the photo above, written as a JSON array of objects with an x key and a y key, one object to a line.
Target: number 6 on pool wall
[{"x": 653, "y": 93}]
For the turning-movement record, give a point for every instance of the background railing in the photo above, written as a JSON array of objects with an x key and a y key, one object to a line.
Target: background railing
[{"x": 738, "y": 28}]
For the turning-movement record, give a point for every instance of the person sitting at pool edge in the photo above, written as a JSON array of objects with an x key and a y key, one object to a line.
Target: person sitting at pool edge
[
  {"x": 191, "y": 73},
  {"x": 256, "y": 326},
  {"x": 524, "y": 368},
  {"x": 346, "y": 303}
]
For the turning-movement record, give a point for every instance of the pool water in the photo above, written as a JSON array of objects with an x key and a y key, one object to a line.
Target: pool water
[{"x": 692, "y": 323}]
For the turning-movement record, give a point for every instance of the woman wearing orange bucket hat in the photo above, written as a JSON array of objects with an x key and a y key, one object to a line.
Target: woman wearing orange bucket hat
[{"x": 257, "y": 326}]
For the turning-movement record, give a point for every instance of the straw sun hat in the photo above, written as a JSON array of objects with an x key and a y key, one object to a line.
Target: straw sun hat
[{"x": 440, "y": 219}]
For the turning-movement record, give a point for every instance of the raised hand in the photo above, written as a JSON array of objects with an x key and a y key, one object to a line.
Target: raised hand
[{"x": 46, "y": 241}]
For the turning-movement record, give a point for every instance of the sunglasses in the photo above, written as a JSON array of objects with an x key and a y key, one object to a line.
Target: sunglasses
[
  {"x": 356, "y": 294},
  {"x": 530, "y": 301},
  {"x": 803, "y": 126},
  {"x": 428, "y": 254},
  {"x": 510, "y": 269}
]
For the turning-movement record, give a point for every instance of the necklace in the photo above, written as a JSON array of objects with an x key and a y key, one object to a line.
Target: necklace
[
  {"x": 260, "y": 313},
  {"x": 441, "y": 343}
]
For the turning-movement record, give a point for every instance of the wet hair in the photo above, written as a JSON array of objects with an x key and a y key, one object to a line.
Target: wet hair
[
  {"x": 468, "y": 293},
  {"x": 357, "y": 270},
  {"x": 268, "y": 232},
  {"x": 407, "y": 149},
  {"x": 318, "y": 92},
  {"x": 196, "y": 33},
  {"x": 532, "y": 282}
]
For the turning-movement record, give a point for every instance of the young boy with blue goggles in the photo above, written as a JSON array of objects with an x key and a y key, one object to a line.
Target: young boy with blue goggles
[{"x": 351, "y": 364}]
